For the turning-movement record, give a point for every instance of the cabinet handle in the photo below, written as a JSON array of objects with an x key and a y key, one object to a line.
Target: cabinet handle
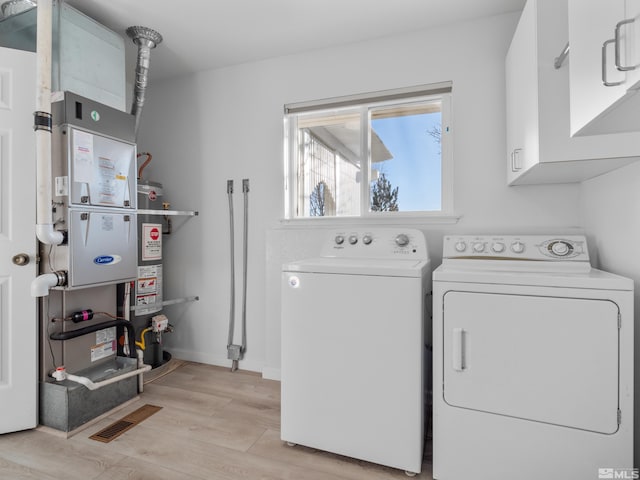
[
  {"x": 619, "y": 66},
  {"x": 514, "y": 156},
  {"x": 605, "y": 82}
]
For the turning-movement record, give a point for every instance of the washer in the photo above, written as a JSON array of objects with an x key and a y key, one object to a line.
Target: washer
[
  {"x": 353, "y": 325},
  {"x": 533, "y": 361}
]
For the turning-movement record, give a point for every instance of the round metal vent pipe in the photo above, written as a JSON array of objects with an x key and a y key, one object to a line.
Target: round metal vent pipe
[{"x": 146, "y": 39}]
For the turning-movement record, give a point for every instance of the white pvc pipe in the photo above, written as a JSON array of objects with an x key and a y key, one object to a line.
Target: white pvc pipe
[
  {"x": 140, "y": 355},
  {"x": 41, "y": 285},
  {"x": 87, "y": 382},
  {"x": 44, "y": 214}
]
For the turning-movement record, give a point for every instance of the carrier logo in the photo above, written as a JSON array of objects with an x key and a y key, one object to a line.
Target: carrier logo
[{"x": 107, "y": 259}]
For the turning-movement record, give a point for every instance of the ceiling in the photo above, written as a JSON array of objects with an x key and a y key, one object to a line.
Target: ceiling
[{"x": 206, "y": 34}]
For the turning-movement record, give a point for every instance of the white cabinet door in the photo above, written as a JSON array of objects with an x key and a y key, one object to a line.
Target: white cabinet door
[
  {"x": 540, "y": 148},
  {"x": 522, "y": 96},
  {"x": 543, "y": 359},
  {"x": 601, "y": 101},
  {"x": 18, "y": 331},
  {"x": 630, "y": 33}
]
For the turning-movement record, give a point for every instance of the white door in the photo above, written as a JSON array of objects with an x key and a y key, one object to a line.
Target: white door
[
  {"x": 545, "y": 359},
  {"x": 18, "y": 324}
]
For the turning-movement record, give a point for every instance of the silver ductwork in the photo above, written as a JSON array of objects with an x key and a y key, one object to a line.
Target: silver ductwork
[{"x": 146, "y": 39}]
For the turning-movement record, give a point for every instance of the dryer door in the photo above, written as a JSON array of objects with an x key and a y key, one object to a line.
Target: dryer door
[{"x": 545, "y": 359}]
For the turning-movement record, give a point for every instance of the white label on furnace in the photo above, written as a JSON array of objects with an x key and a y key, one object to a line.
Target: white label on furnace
[
  {"x": 82, "y": 157},
  {"x": 107, "y": 223},
  {"x": 105, "y": 344},
  {"x": 151, "y": 241},
  {"x": 62, "y": 186}
]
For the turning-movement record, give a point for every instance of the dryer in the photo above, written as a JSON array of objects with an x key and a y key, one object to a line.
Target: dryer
[
  {"x": 533, "y": 361},
  {"x": 353, "y": 347}
]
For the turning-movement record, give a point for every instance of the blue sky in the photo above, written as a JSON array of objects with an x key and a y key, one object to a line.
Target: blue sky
[{"x": 416, "y": 165}]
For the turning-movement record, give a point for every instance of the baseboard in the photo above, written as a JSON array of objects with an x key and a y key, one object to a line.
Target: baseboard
[
  {"x": 209, "y": 359},
  {"x": 270, "y": 373}
]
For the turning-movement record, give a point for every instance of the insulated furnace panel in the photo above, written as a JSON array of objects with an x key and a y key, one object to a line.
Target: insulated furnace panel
[
  {"x": 97, "y": 171},
  {"x": 102, "y": 247},
  {"x": 94, "y": 154}
]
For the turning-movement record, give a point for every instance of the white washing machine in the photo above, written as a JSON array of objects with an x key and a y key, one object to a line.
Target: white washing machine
[
  {"x": 533, "y": 362},
  {"x": 353, "y": 328}
]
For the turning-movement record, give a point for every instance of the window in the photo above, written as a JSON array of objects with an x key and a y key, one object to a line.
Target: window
[{"x": 385, "y": 153}]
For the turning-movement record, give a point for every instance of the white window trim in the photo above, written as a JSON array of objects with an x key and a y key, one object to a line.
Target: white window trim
[{"x": 447, "y": 213}]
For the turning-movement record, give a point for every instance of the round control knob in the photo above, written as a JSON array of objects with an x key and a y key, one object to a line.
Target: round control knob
[
  {"x": 339, "y": 239},
  {"x": 478, "y": 247},
  {"x": 353, "y": 239},
  {"x": 367, "y": 239},
  {"x": 402, "y": 240},
  {"x": 498, "y": 247},
  {"x": 460, "y": 246},
  {"x": 560, "y": 248},
  {"x": 517, "y": 247}
]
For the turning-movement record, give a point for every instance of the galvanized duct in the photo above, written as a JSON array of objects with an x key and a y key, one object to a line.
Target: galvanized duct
[{"x": 146, "y": 39}]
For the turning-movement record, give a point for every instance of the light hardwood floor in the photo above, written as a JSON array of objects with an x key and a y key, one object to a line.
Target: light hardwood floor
[{"x": 214, "y": 424}]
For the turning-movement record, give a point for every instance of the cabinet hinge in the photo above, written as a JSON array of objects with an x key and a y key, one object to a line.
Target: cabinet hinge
[{"x": 619, "y": 416}]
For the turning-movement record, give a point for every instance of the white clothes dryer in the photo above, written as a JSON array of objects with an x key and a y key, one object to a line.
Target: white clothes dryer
[
  {"x": 533, "y": 361},
  {"x": 353, "y": 346}
]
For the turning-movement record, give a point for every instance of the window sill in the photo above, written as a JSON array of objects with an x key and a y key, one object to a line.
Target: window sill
[{"x": 414, "y": 219}]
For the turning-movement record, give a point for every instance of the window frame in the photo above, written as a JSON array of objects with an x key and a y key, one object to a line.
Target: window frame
[{"x": 365, "y": 104}]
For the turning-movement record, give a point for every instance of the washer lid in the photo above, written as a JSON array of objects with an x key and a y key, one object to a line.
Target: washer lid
[{"x": 361, "y": 266}]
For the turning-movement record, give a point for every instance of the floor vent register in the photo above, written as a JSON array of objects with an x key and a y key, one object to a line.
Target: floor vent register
[{"x": 117, "y": 428}]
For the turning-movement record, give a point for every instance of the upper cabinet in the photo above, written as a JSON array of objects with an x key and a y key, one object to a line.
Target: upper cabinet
[
  {"x": 605, "y": 66},
  {"x": 540, "y": 148}
]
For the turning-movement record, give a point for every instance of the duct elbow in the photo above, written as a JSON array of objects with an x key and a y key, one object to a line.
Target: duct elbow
[
  {"x": 47, "y": 235},
  {"x": 41, "y": 285}
]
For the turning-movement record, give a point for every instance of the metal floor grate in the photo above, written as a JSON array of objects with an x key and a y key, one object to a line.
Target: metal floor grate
[{"x": 126, "y": 423}]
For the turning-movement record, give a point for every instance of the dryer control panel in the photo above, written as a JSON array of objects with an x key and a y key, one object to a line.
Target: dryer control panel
[
  {"x": 376, "y": 243},
  {"x": 520, "y": 248}
]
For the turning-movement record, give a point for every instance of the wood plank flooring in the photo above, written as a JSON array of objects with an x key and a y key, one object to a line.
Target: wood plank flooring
[{"x": 214, "y": 424}]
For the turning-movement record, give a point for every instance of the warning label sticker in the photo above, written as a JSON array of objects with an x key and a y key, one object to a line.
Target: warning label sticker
[
  {"x": 151, "y": 241},
  {"x": 149, "y": 288},
  {"x": 105, "y": 344}
]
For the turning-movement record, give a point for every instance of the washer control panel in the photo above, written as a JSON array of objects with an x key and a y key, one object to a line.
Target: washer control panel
[
  {"x": 376, "y": 243},
  {"x": 516, "y": 247}
]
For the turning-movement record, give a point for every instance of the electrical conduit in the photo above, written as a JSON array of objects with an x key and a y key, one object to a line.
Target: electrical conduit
[
  {"x": 232, "y": 303},
  {"x": 245, "y": 241},
  {"x": 236, "y": 352}
]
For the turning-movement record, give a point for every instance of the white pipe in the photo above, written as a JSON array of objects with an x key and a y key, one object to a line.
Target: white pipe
[
  {"x": 44, "y": 214},
  {"x": 87, "y": 382},
  {"x": 46, "y": 234},
  {"x": 140, "y": 355},
  {"x": 41, "y": 285}
]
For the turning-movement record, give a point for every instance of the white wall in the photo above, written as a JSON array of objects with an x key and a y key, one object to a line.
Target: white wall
[
  {"x": 610, "y": 210},
  {"x": 227, "y": 124}
]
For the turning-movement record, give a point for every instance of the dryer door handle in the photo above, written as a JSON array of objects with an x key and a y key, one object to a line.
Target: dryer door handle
[{"x": 457, "y": 349}]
